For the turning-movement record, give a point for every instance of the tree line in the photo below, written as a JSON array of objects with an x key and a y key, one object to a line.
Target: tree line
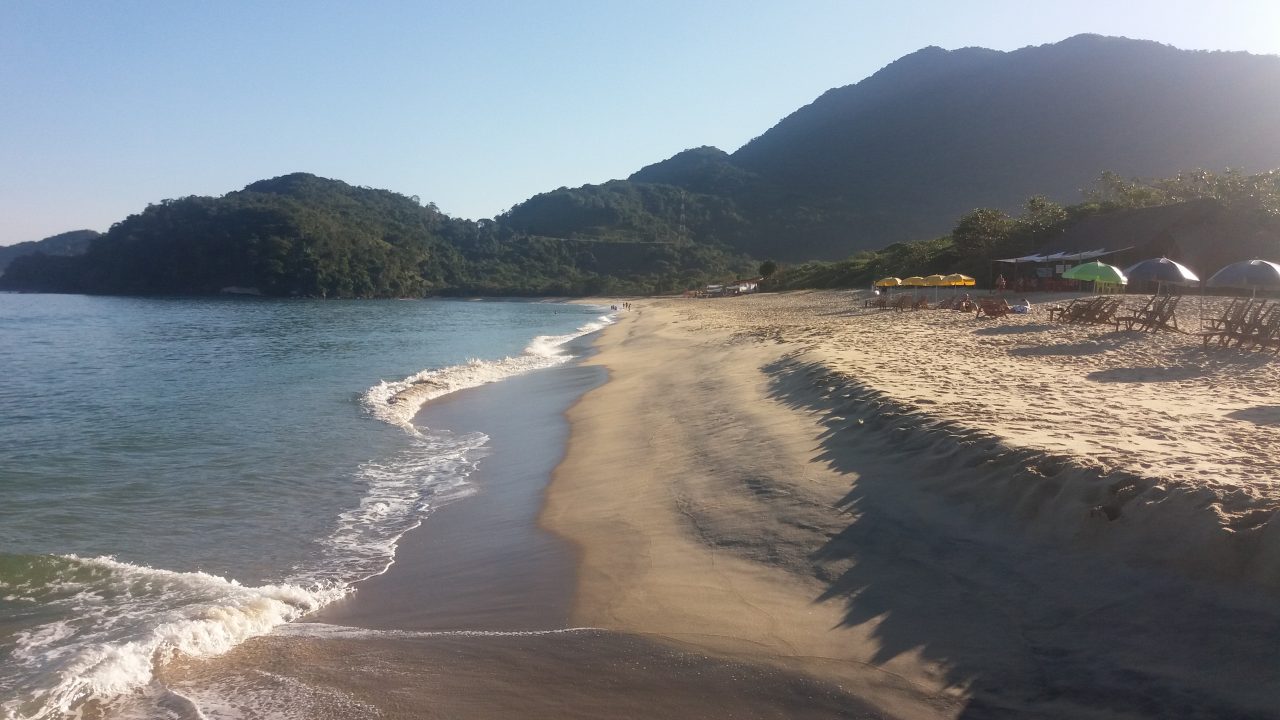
[
  {"x": 301, "y": 235},
  {"x": 986, "y": 234}
]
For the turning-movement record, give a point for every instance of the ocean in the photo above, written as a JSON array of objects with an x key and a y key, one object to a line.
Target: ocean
[{"x": 180, "y": 475}]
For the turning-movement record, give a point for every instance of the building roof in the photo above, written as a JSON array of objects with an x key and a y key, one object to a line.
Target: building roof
[{"x": 1156, "y": 228}]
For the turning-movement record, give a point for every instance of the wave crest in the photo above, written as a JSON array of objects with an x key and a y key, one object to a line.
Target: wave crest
[{"x": 397, "y": 402}]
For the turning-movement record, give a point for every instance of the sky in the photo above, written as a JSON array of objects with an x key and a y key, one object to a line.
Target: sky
[{"x": 106, "y": 107}]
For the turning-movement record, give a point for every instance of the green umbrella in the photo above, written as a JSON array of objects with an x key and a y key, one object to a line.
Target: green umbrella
[{"x": 1097, "y": 272}]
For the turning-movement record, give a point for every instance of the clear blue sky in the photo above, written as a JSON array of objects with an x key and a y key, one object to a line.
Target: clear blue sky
[{"x": 476, "y": 106}]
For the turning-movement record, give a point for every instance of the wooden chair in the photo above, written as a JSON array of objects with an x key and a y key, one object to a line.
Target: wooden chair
[
  {"x": 1136, "y": 314},
  {"x": 1256, "y": 327},
  {"x": 993, "y": 308},
  {"x": 1057, "y": 312},
  {"x": 1160, "y": 313},
  {"x": 900, "y": 303},
  {"x": 1270, "y": 338},
  {"x": 1102, "y": 312},
  {"x": 1082, "y": 310},
  {"x": 1223, "y": 327}
]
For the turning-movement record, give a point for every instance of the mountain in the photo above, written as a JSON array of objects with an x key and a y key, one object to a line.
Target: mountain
[
  {"x": 303, "y": 235},
  {"x": 902, "y": 154},
  {"x": 62, "y": 244}
]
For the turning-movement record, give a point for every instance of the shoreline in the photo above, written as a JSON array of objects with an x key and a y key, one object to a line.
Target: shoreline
[
  {"x": 473, "y": 619},
  {"x": 480, "y": 562},
  {"x": 777, "y": 479},
  {"x": 770, "y": 514}
]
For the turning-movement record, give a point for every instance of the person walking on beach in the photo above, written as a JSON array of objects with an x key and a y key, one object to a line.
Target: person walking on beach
[{"x": 1000, "y": 284}]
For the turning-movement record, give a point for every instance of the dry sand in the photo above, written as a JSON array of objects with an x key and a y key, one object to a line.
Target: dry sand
[{"x": 945, "y": 516}]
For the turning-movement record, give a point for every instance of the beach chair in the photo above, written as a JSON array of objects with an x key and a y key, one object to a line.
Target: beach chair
[
  {"x": 992, "y": 308},
  {"x": 1160, "y": 313},
  {"x": 902, "y": 302},
  {"x": 1222, "y": 327},
  {"x": 1256, "y": 326},
  {"x": 1270, "y": 338},
  {"x": 921, "y": 303},
  {"x": 1102, "y": 312},
  {"x": 1136, "y": 314},
  {"x": 948, "y": 303},
  {"x": 1081, "y": 310},
  {"x": 1058, "y": 311}
]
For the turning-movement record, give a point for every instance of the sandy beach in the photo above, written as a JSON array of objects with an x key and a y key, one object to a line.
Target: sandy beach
[
  {"x": 473, "y": 619},
  {"x": 790, "y": 506},
  {"x": 944, "y": 516}
]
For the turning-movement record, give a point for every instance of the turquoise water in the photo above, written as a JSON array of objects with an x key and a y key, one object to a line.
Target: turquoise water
[{"x": 177, "y": 475}]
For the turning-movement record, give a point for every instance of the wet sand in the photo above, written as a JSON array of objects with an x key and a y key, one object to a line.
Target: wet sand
[
  {"x": 473, "y": 619},
  {"x": 481, "y": 562},
  {"x": 790, "y": 506}
]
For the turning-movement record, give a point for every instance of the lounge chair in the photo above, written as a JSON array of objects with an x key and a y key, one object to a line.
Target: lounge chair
[
  {"x": 992, "y": 308},
  {"x": 1223, "y": 327},
  {"x": 1160, "y": 313},
  {"x": 1082, "y": 310}
]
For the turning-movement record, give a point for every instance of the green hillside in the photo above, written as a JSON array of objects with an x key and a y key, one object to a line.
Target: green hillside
[
  {"x": 67, "y": 243},
  {"x": 301, "y": 235}
]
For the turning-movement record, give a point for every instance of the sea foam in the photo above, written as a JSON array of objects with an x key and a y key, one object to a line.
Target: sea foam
[
  {"x": 397, "y": 402},
  {"x": 120, "y": 619},
  {"x": 117, "y": 621}
]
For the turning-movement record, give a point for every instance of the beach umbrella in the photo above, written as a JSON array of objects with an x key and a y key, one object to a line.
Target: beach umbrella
[
  {"x": 935, "y": 282},
  {"x": 913, "y": 281},
  {"x": 1249, "y": 274},
  {"x": 888, "y": 282},
  {"x": 1161, "y": 270},
  {"x": 1096, "y": 272},
  {"x": 958, "y": 280}
]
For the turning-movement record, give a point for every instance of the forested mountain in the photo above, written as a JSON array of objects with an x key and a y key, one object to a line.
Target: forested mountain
[
  {"x": 309, "y": 236},
  {"x": 67, "y": 243},
  {"x": 902, "y": 154},
  {"x": 898, "y": 158}
]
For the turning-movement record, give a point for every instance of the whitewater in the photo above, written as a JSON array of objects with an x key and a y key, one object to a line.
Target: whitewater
[{"x": 95, "y": 628}]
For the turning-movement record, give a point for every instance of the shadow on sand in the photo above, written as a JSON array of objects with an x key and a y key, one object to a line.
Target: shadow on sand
[{"x": 995, "y": 564}]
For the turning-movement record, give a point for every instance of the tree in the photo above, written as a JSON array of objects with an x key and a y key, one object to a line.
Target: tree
[
  {"x": 980, "y": 232},
  {"x": 768, "y": 268}
]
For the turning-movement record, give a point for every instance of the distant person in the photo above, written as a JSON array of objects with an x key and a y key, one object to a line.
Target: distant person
[
  {"x": 1000, "y": 284},
  {"x": 966, "y": 304}
]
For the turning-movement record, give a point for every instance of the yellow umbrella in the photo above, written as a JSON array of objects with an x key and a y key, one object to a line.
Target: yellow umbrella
[
  {"x": 958, "y": 280},
  {"x": 913, "y": 281},
  {"x": 888, "y": 282},
  {"x": 935, "y": 282}
]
